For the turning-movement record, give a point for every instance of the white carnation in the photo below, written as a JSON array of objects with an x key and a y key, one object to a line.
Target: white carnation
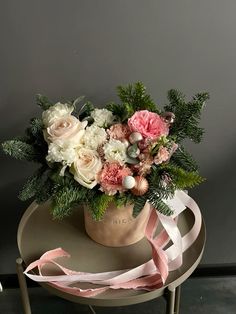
[
  {"x": 61, "y": 152},
  {"x": 94, "y": 136},
  {"x": 115, "y": 151},
  {"x": 102, "y": 117},
  {"x": 55, "y": 112}
]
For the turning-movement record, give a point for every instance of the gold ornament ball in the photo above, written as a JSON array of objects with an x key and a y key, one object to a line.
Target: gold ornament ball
[{"x": 141, "y": 186}]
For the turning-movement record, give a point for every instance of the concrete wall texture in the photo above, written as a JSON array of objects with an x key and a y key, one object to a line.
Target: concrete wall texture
[{"x": 68, "y": 48}]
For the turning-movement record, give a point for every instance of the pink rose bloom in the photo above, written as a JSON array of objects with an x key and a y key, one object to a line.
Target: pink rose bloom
[
  {"x": 162, "y": 155},
  {"x": 111, "y": 176},
  {"x": 149, "y": 124},
  {"x": 119, "y": 131}
]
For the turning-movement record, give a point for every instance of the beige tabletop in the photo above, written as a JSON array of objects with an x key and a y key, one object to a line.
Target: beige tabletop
[{"x": 38, "y": 233}]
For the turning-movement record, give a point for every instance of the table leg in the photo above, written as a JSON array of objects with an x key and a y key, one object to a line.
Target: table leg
[
  {"x": 92, "y": 309},
  {"x": 23, "y": 286},
  {"x": 170, "y": 305},
  {"x": 177, "y": 299}
]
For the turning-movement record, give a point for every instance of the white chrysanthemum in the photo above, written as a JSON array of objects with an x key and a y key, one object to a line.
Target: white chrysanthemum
[
  {"x": 94, "y": 136},
  {"x": 102, "y": 117},
  {"x": 115, "y": 151},
  {"x": 55, "y": 112},
  {"x": 61, "y": 152}
]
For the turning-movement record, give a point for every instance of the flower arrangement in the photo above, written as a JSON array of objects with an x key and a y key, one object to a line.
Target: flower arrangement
[{"x": 131, "y": 152}]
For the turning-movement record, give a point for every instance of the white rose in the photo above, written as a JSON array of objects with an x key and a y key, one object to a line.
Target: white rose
[
  {"x": 94, "y": 136},
  {"x": 55, "y": 112},
  {"x": 86, "y": 167},
  {"x": 67, "y": 128},
  {"x": 102, "y": 117},
  {"x": 115, "y": 151}
]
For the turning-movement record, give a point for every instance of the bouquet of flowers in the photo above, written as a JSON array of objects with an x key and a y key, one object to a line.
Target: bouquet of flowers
[{"x": 131, "y": 152}]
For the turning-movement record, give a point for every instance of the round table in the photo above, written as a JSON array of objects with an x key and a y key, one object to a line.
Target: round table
[{"x": 38, "y": 233}]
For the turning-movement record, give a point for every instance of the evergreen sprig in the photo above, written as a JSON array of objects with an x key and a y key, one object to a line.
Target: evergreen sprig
[
  {"x": 20, "y": 150},
  {"x": 139, "y": 203},
  {"x": 183, "y": 159},
  {"x": 182, "y": 179},
  {"x": 98, "y": 205},
  {"x": 136, "y": 96},
  {"x": 187, "y": 115},
  {"x": 33, "y": 185},
  {"x": 133, "y": 97},
  {"x": 43, "y": 102},
  {"x": 65, "y": 198}
]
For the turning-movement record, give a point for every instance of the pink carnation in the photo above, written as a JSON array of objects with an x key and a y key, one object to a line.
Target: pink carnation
[
  {"x": 149, "y": 124},
  {"x": 162, "y": 155},
  {"x": 119, "y": 131},
  {"x": 111, "y": 176}
]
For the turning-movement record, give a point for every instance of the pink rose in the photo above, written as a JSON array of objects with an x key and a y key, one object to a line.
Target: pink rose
[
  {"x": 149, "y": 124},
  {"x": 111, "y": 176}
]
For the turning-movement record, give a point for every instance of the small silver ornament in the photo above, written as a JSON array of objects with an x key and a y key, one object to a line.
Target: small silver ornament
[
  {"x": 133, "y": 151},
  {"x": 128, "y": 182},
  {"x": 126, "y": 142},
  {"x": 169, "y": 117},
  {"x": 135, "y": 137},
  {"x": 132, "y": 161}
]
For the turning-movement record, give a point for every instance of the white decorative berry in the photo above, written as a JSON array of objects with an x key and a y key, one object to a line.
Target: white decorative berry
[{"x": 128, "y": 182}]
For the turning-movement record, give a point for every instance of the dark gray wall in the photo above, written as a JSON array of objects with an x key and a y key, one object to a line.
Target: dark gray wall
[{"x": 71, "y": 48}]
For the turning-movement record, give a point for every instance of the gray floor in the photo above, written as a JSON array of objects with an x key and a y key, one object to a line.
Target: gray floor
[{"x": 199, "y": 295}]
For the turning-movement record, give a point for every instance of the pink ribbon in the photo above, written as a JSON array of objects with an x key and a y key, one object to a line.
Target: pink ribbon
[{"x": 148, "y": 276}]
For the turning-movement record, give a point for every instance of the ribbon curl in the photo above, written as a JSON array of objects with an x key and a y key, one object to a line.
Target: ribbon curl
[{"x": 148, "y": 276}]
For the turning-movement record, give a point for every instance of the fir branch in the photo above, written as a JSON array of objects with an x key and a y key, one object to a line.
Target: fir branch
[
  {"x": 35, "y": 129},
  {"x": 139, "y": 203},
  {"x": 136, "y": 96},
  {"x": 159, "y": 183},
  {"x": 122, "y": 199},
  {"x": 43, "y": 102},
  {"x": 20, "y": 150},
  {"x": 187, "y": 115},
  {"x": 45, "y": 192},
  {"x": 65, "y": 198},
  {"x": 32, "y": 186},
  {"x": 161, "y": 206},
  {"x": 183, "y": 159},
  {"x": 98, "y": 205},
  {"x": 121, "y": 111},
  {"x": 182, "y": 179}
]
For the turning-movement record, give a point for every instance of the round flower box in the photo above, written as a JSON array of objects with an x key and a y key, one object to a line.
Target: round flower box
[{"x": 118, "y": 227}]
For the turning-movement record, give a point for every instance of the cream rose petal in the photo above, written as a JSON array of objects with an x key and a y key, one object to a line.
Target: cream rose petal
[
  {"x": 67, "y": 128},
  {"x": 55, "y": 112},
  {"x": 86, "y": 167}
]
